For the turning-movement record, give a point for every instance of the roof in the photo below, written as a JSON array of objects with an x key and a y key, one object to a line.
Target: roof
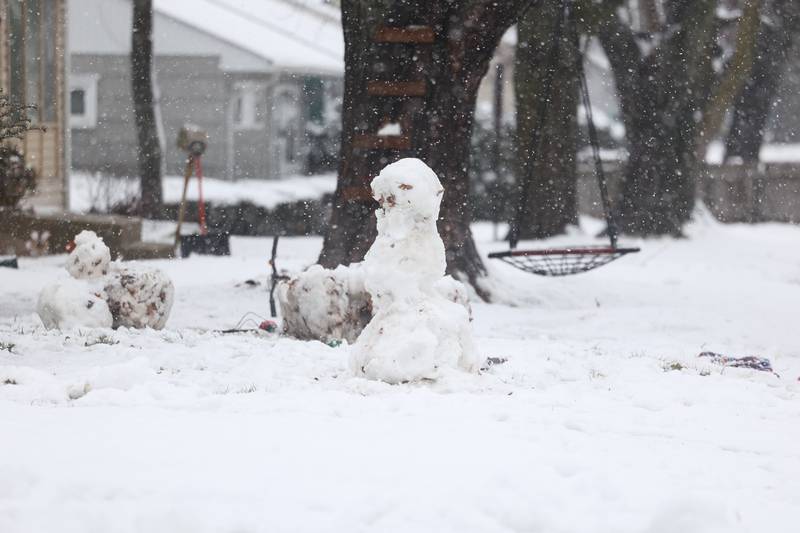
[
  {"x": 289, "y": 34},
  {"x": 248, "y": 35}
]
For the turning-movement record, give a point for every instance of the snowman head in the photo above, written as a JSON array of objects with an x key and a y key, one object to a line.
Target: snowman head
[{"x": 408, "y": 188}]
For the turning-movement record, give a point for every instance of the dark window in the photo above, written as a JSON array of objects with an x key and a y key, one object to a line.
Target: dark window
[
  {"x": 77, "y": 102},
  {"x": 314, "y": 92},
  {"x": 238, "y": 115}
]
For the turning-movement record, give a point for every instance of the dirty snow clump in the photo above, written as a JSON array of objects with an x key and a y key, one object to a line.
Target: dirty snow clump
[
  {"x": 90, "y": 257},
  {"x": 416, "y": 332},
  {"x": 139, "y": 297},
  {"x": 325, "y": 305},
  {"x": 70, "y": 303}
]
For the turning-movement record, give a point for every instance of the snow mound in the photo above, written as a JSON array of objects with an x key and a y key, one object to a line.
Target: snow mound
[
  {"x": 417, "y": 332},
  {"x": 139, "y": 297},
  {"x": 70, "y": 303},
  {"x": 325, "y": 305},
  {"x": 90, "y": 258},
  {"x": 135, "y": 297}
]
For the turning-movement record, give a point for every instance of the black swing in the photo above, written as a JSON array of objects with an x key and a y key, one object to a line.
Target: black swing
[{"x": 573, "y": 259}]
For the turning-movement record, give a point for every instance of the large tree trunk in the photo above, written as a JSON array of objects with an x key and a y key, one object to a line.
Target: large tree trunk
[
  {"x": 550, "y": 168},
  {"x": 148, "y": 148},
  {"x": 751, "y": 110},
  {"x": 436, "y": 123},
  {"x": 660, "y": 95}
]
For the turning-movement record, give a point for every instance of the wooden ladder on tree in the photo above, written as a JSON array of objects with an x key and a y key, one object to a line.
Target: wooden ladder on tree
[{"x": 394, "y": 90}]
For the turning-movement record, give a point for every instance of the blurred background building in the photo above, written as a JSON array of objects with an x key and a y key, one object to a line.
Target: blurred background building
[{"x": 265, "y": 84}]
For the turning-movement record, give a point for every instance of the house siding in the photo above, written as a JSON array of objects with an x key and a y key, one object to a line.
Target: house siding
[
  {"x": 194, "y": 90},
  {"x": 191, "y": 90}
]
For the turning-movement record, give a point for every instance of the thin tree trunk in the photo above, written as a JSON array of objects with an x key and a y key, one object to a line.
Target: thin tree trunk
[
  {"x": 736, "y": 75},
  {"x": 751, "y": 109},
  {"x": 550, "y": 167},
  {"x": 438, "y": 124},
  {"x": 148, "y": 148}
]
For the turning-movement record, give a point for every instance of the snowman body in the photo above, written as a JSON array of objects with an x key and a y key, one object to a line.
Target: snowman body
[{"x": 416, "y": 332}]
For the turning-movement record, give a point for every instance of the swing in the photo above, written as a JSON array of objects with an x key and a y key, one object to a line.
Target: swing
[{"x": 574, "y": 259}]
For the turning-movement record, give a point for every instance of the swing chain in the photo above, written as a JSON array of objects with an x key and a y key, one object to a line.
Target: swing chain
[{"x": 566, "y": 16}]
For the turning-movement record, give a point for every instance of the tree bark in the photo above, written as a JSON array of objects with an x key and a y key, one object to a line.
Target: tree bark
[
  {"x": 660, "y": 94},
  {"x": 437, "y": 124},
  {"x": 751, "y": 109},
  {"x": 736, "y": 75},
  {"x": 550, "y": 167},
  {"x": 148, "y": 147}
]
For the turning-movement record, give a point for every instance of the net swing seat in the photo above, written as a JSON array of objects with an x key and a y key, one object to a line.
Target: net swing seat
[
  {"x": 562, "y": 261},
  {"x": 570, "y": 260}
]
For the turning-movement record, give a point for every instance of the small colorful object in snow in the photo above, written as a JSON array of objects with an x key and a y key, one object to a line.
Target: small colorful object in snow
[
  {"x": 269, "y": 326},
  {"x": 761, "y": 364}
]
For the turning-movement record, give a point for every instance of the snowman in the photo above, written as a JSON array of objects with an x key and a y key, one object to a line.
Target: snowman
[
  {"x": 416, "y": 333},
  {"x": 101, "y": 294}
]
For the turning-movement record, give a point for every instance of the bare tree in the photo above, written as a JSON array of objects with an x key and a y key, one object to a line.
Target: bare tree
[
  {"x": 149, "y": 149},
  {"x": 416, "y": 63}
]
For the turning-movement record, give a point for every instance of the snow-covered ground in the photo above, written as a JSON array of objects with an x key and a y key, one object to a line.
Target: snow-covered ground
[
  {"x": 602, "y": 420},
  {"x": 770, "y": 153},
  {"x": 96, "y": 191},
  {"x": 88, "y": 191}
]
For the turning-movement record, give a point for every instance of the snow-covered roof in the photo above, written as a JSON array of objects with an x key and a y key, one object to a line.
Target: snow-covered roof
[
  {"x": 248, "y": 35},
  {"x": 290, "y": 34}
]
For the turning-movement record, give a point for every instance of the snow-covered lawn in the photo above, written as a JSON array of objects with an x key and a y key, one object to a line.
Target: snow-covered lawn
[{"x": 602, "y": 420}]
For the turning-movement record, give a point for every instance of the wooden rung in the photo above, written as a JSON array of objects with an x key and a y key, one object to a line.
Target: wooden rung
[
  {"x": 397, "y": 88},
  {"x": 358, "y": 194},
  {"x": 382, "y": 142},
  {"x": 408, "y": 34}
]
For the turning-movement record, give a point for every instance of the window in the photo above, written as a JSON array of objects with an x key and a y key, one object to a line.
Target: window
[
  {"x": 249, "y": 106},
  {"x": 33, "y": 56},
  {"x": 83, "y": 101},
  {"x": 77, "y": 102},
  {"x": 288, "y": 120}
]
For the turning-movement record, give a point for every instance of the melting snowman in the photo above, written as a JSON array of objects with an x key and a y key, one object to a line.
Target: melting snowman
[{"x": 416, "y": 332}]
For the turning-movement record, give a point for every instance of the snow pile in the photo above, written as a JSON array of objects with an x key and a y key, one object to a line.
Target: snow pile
[
  {"x": 328, "y": 305},
  {"x": 71, "y": 303},
  {"x": 90, "y": 257},
  {"x": 416, "y": 332},
  {"x": 139, "y": 297},
  {"x": 325, "y": 305},
  {"x": 92, "y": 297}
]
